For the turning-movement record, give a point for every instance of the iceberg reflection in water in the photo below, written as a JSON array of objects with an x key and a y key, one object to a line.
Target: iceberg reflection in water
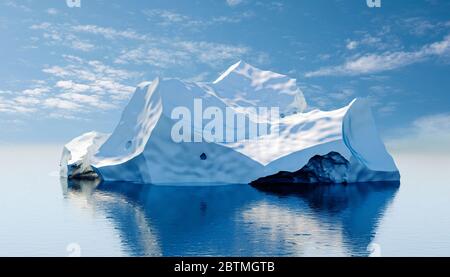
[{"x": 240, "y": 220}]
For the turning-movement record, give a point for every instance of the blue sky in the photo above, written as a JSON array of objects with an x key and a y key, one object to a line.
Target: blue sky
[{"x": 66, "y": 70}]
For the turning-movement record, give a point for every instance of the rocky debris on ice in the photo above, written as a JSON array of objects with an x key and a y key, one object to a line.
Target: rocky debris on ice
[{"x": 331, "y": 168}]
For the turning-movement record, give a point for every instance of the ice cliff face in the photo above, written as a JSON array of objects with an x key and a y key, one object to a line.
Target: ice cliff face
[{"x": 142, "y": 148}]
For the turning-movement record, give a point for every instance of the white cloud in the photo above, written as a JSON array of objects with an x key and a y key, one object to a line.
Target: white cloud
[
  {"x": 181, "y": 53},
  {"x": 16, "y": 5},
  {"x": 22, "y": 102},
  {"x": 41, "y": 26},
  {"x": 80, "y": 85},
  {"x": 96, "y": 84},
  {"x": 168, "y": 18},
  {"x": 52, "y": 11},
  {"x": 36, "y": 91},
  {"x": 82, "y": 45},
  {"x": 379, "y": 97},
  {"x": 61, "y": 104},
  {"x": 352, "y": 45},
  {"x": 91, "y": 82},
  {"x": 233, "y": 3},
  {"x": 65, "y": 115},
  {"x": 61, "y": 35},
  {"x": 374, "y": 63},
  {"x": 14, "y": 106},
  {"x": 202, "y": 77},
  {"x": 433, "y": 124},
  {"x": 429, "y": 133},
  {"x": 108, "y": 33},
  {"x": 57, "y": 71},
  {"x": 72, "y": 86},
  {"x": 271, "y": 5},
  {"x": 236, "y": 18},
  {"x": 342, "y": 94},
  {"x": 380, "y": 41},
  {"x": 161, "y": 52},
  {"x": 420, "y": 26},
  {"x": 89, "y": 70},
  {"x": 27, "y": 101},
  {"x": 83, "y": 99},
  {"x": 210, "y": 53}
]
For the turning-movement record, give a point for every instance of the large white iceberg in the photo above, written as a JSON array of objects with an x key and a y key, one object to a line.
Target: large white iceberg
[{"x": 340, "y": 146}]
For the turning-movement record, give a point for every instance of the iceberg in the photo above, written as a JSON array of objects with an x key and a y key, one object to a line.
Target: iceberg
[{"x": 248, "y": 126}]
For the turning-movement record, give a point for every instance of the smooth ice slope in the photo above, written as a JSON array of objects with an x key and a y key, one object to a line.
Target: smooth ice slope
[{"x": 142, "y": 150}]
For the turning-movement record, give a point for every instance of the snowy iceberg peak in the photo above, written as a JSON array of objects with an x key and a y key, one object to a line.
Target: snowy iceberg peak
[
  {"x": 247, "y": 71},
  {"x": 144, "y": 147},
  {"x": 245, "y": 85}
]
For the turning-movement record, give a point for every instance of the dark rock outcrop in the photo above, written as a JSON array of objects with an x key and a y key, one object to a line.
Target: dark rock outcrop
[
  {"x": 331, "y": 168},
  {"x": 75, "y": 172}
]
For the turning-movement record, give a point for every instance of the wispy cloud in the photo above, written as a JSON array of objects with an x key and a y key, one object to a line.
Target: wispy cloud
[
  {"x": 322, "y": 98},
  {"x": 352, "y": 44},
  {"x": 61, "y": 104},
  {"x": 36, "y": 91},
  {"x": 433, "y": 124},
  {"x": 382, "y": 39},
  {"x": 60, "y": 35},
  {"x": 169, "y": 53},
  {"x": 82, "y": 45},
  {"x": 79, "y": 85},
  {"x": 425, "y": 134},
  {"x": 235, "y": 18},
  {"x": 22, "y": 102},
  {"x": 379, "y": 97},
  {"x": 278, "y": 6},
  {"x": 233, "y": 3},
  {"x": 15, "y": 105},
  {"x": 52, "y": 11},
  {"x": 82, "y": 76},
  {"x": 95, "y": 101},
  {"x": 160, "y": 52},
  {"x": 108, "y": 33},
  {"x": 14, "y": 4},
  {"x": 72, "y": 86},
  {"x": 420, "y": 26},
  {"x": 169, "y": 18},
  {"x": 379, "y": 62}
]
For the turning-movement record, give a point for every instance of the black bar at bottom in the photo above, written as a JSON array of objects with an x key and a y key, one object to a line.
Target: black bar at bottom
[{"x": 211, "y": 266}]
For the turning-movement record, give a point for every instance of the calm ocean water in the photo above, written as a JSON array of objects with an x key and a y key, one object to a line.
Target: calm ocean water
[{"x": 41, "y": 216}]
